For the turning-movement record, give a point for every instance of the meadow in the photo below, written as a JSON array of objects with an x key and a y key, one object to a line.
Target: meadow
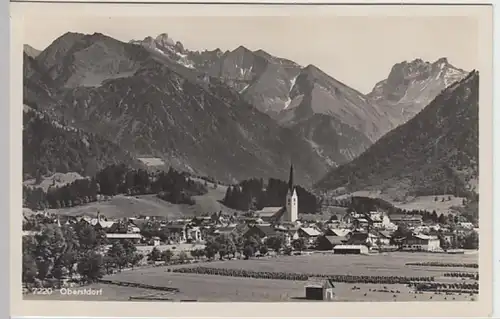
[
  {"x": 120, "y": 206},
  {"x": 385, "y": 264},
  {"x": 221, "y": 288}
]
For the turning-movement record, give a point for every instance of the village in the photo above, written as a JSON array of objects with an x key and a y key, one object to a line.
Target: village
[
  {"x": 107, "y": 246},
  {"x": 353, "y": 233}
]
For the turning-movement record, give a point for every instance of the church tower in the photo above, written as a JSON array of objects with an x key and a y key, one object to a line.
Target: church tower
[{"x": 292, "y": 200}]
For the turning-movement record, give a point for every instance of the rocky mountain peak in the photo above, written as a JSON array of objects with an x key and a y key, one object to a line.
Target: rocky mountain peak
[
  {"x": 31, "y": 51},
  {"x": 442, "y": 60},
  {"x": 164, "y": 40}
]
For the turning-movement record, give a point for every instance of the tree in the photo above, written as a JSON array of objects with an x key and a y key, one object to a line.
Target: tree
[
  {"x": 445, "y": 245},
  {"x": 238, "y": 242},
  {"x": 471, "y": 241},
  {"x": 287, "y": 251},
  {"x": 200, "y": 253},
  {"x": 91, "y": 267},
  {"x": 136, "y": 259},
  {"x": 212, "y": 247},
  {"x": 434, "y": 216},
  {"x": 88, "y": 237},
  {"x": 263, "y": 250},
  {"x": 29, "y": 268},
  {"x": 276, "y": 242},
  {"x": 299, "y": 244},
  {"x": 167, "y": 255},
  {"x": 442, "y": 219},
  {"x": 117, "y": 255},
  {"x": 154, "y": 255},
  {"x": 50, "y": 247},
  {"x": 59, "y": 270},
  {"x": 248, "y": 251},
  {"x": 183, "y": 257},
  {"x": 401, "y": 232},
  {"x": 225, "y": 245},
  {"x": 131, "y": 256}
]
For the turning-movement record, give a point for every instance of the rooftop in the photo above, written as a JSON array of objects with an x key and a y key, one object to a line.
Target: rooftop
[{"x": 123, "y": 236}]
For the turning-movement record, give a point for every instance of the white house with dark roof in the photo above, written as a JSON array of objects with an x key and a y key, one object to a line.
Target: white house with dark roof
[
  {"x": 310, "y": 233},
  {"x": 340, "y": 232},
  {"x": 136, "y": 238},
  {"x": 421, "y": 242},
  {"x": 101, "y": 222}
]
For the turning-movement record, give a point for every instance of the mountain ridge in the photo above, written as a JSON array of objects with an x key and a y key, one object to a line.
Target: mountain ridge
[
  {"x": 433, "y": 153},
  {"x": 81, "y": 78},
  {"x": 180, "y": 111},
  {"x": 412, "y": 85}
]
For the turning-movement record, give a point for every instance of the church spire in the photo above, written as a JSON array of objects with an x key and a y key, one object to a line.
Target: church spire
[{"x": 290, "y": 179}]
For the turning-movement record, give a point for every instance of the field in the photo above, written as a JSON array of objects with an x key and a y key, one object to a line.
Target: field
[
  {"x": 221, "y": 288},
  {"x": 129, "y": 206},
  {"x": 388, "y": 264},
  {"x": 151, "y": 161},
  {"x": 428, "y": 203},
  {"x": 55, "y": 180}
]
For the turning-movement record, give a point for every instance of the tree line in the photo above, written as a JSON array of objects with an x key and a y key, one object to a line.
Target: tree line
[
  {"x": 56, "y": 253},
  {"x": 252, "y": 194},
  {"x": 172, "y": 186}
]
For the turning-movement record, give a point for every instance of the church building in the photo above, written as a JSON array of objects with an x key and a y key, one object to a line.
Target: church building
[
  {"x": 292, "y": 201},
  {"x": 284, "y": 214}
]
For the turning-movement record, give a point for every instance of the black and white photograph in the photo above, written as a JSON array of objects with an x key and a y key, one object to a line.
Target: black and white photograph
[{"x": 246, "y": 158}]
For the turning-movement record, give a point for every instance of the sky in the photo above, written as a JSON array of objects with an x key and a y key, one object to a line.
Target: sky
[{"x": 357, "y": 50}]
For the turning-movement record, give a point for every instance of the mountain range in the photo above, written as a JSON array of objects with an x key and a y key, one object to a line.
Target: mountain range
[
  {"x": 49, "y": 146},
  {"x": 435, "y": 152},
  {"x": 230, "y": 115}
]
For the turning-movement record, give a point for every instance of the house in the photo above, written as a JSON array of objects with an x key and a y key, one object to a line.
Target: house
[
  {"x": 100, "y": 223},
  {"x": 203, "y": 220},
  {"x": 466, "y": 225},
  {"x": 435, "y": 227},
  {"x": 135, "y": 238},
  {"x": 341, "y": 232},
  {"x": 350, "y": 249},
  {"x": 421, "y": 242},
  {"x": 270, "y": 214},
  {"x": 448, "y": 236},
  {"x": 383, "y": 236},
  {"x": 177, "y": 231},
  {"x": 251, "y": 220},
  {"x": 291, "y": 233},
  {"x": 320, "y": 291},
  {"x": 358, "y": 238},
  {"x": 387, "y": 224},
  {"x": 328, "y": 242},
  {"x": 226, "y": 230},
  {"x": 193, "y": 233},
  {"x": 369, "y": 239},
  {"x": 409, "y": 220},
  {"x": 309, "y": 233},
  {"x": 360, "y": 222},
  {"x": 154, "y": 241},
  {"x": 261, "y": 231},
  {"x": 375, "y": 219},
  {"x": 31, "y": 232},
  {"x": 127, "y": 227}
]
